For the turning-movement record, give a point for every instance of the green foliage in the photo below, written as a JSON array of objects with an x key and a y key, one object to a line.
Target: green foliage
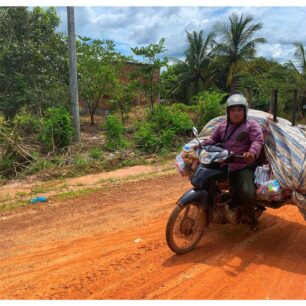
[
  {"x": 114, "y": 133},
  {"x": 97, "y": 71},
  {"x": 7, "y": 165},
  {"x": 146, "y": 139},
  {"x": 169, "y": 83},
  {"x": 40, "y": 164},
  {"x": 181, "y": 107},
  {"x": 148, "y": 74},
  {"x": 57, "y": 131},
  {"x": 95, "y": 153},
  {"x": 123, "y": 94},
  {"x": 14, "y": 153},
  {"x": 197, "y": 72},
  {"x": 163, "y": 118},
  {"x": 162, "y": 129},
  {"x": 26, "y": 123},
  {"x": 209, "y": 105},
  {"x": 33, "y": 60},
  {"x": 80, "y": 162},
  {"x": 274, "y": 76},
  {"x": 300, "y": 64},
  {"x": 237, "y": 45}
]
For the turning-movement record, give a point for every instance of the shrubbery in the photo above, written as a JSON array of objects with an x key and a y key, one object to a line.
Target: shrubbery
[
  {"x": 114, "y": 133},
  {"x": 26, "y": 123},
  {"x": 209, "y": 105},
  {"x": 184, "y": 107},
  {"x": 161, "y": 129},
  {"x": 57, "y": 131}
]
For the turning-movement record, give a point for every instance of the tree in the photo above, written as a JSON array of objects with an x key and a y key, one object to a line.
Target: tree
[
  {"x": 148, "y": 73},
  {"x": 169, "y": 83},
  {"x": 300, "y": 67},
  {"x": 270, "y": 74},
  {"x": 197, "y": 74},
  {"x": 33, "y": 60},
  {"x": 123, "y": 95},
  {"x": 300, "y": 73},
  {"x": 237, "y": 45},
  {"x": 97, "y": 71}
]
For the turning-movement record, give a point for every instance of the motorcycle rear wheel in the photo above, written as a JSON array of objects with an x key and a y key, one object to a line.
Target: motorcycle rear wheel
[{"x": 185, "y": 227}]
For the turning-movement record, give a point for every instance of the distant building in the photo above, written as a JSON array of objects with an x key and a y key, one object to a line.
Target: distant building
[{"x": 140, "y": 99}]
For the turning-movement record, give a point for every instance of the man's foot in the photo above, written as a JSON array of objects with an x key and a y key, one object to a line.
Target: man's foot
[
  {"x": 231, "y": 214},
  {"x": 254, "y": 226}
]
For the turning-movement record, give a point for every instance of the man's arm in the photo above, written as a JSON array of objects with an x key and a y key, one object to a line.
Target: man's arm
[
  {"x": 257, "y": 142},
  {"x": 214, "y": 138}
]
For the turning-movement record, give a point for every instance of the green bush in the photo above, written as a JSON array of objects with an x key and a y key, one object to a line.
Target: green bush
[
  {"x": 184, "y": 107},
  {"x": 95, "y": 153},
  {"x": 209, "y": 104},
  {"x": 40, "y": 164},
  {"x": 13, "y": 154},
  {"x": 6, "y": 165},
  {"x": 162, "y": 128},
  {"x": 114, "y": 133},
  {"x": 57, "y": 131},
  {"x": 26, "y": 123},
  {"x": 145, "y": 137}
]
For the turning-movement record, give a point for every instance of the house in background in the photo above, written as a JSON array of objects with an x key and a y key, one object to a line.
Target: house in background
[{"x": 128, "y": 70}]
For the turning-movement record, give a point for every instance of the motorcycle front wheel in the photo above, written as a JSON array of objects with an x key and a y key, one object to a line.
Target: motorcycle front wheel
[{"x": 185, "y": 227}]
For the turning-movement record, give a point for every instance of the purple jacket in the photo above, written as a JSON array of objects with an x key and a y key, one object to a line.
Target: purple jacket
[{"x": 253, "y": 143}]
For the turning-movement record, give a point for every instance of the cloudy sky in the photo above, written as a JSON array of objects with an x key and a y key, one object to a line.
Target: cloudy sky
[{"x": 137, "y": 26}]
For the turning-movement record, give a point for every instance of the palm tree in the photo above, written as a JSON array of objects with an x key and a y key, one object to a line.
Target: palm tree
[
  {"x": 300, "y": 57},
  {"x": 300, "y": 70},
  {"x": 196, "y": 73},
  {"x": 237, "y": 45}
]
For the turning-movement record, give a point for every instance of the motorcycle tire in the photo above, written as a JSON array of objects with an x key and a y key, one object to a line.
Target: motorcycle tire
[{"x": 185, "y": 227}]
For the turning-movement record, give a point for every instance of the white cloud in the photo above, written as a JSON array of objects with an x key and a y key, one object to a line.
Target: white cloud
[
  {"x": 279, "y": 52},
  {"x": 135, "y": 26}
]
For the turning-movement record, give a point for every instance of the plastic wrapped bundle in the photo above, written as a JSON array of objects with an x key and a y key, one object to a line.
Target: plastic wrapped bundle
[
  {"x": 187, "y": 161},
  {"x": 272, "y": 191},
  {"x": 262, "y": 175}
]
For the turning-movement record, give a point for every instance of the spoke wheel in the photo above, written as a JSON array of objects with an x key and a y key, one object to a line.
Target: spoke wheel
[{"x": 185, "y": 227}]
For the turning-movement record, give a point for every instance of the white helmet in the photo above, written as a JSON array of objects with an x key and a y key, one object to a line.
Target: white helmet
[{"x": 237, "y": 100}]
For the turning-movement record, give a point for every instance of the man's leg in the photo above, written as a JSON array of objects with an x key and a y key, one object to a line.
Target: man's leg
[{"x": 244, "y": 193}]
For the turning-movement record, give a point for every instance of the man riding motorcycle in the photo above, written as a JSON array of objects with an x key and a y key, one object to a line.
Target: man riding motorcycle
[{"x": 241, "y": 172}]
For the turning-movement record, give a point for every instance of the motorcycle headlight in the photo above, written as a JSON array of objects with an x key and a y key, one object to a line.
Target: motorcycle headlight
[{"x": 205, "y": 157}]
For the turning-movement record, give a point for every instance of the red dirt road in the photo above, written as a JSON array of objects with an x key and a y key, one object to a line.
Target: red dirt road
[{"x": 86, "y": 249}]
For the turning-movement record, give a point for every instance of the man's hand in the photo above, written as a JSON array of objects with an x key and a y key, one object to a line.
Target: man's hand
[{"x": 249, "y": 157}]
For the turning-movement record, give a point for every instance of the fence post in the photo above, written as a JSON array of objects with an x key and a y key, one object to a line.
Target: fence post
[
  {"x": 274, "y": 95},
  {"x": 294, "y": 102}
]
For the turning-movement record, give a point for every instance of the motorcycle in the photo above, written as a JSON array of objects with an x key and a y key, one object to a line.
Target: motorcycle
[{"x": 208, "y": 200}]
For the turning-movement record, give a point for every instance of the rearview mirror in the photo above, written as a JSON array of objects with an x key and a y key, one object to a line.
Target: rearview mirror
[{"x": 195, "y": 131}]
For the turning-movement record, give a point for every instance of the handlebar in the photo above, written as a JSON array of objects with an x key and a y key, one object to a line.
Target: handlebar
[{"x": 238, "y": 156}]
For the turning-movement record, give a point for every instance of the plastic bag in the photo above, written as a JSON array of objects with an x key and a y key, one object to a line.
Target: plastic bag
[
  {"x": 271, "y": 191},
  {"x": 180, "y": 165},
  {"x": 187, "y": 161},
  {"x": 262, "y": 175}
]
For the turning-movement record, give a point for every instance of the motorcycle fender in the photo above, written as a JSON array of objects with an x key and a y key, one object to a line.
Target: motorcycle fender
[{"x": 194, "y": 195}]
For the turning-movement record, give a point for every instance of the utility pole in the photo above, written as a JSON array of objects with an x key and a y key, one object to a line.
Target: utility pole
[{"x": 73, "y": 78}]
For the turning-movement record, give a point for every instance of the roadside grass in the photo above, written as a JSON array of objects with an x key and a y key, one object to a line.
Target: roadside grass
[
  {"x": 137, "y": 177},
  {"x": 8, "y": 203},
  {"x": 72, "y": 194},
  {"x": 12, "y": 204}
]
